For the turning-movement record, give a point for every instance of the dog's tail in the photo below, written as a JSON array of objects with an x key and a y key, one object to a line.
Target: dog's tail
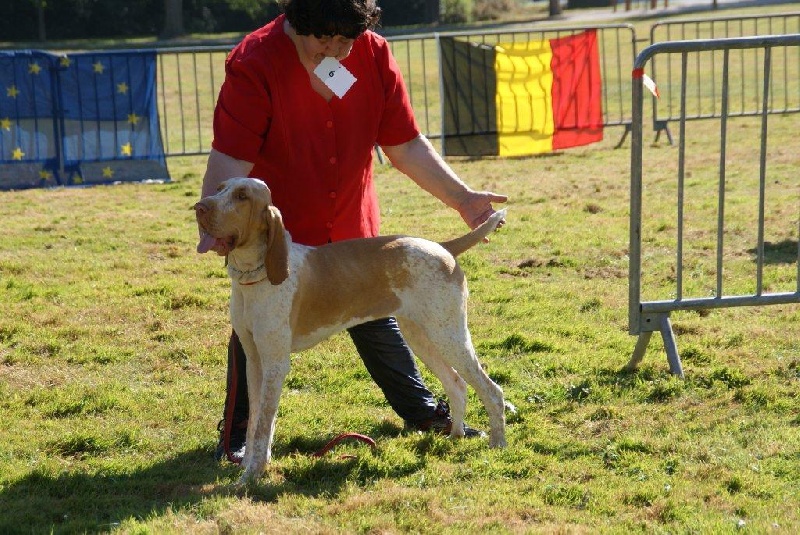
[{"x": 459, "y": 245}]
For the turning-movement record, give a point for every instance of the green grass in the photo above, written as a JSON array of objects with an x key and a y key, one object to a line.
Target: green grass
[
  {"x": 112, "y": 344},
  {"x": 112, "y": 364}
]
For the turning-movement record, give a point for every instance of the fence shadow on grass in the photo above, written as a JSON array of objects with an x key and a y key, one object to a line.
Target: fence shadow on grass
[{"x": 782, "y": 252}]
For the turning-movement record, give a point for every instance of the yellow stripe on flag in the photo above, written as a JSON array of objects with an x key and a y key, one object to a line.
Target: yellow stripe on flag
[{"x": 524, "y": 97}]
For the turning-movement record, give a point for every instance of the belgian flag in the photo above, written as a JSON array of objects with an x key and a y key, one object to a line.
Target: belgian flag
[{"x": 521, "y": 98}]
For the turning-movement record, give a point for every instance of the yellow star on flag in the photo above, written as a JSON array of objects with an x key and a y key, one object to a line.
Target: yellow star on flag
[
  {"x": 98, "y": 67},
  {"x": 133, "y": 119},
  {"x": 34, "y": 68},
  {"x": 108, "y": 172},
  {"x": 5, "y": 123},
  {"x": 122, "y": 88},
  {"x": 17, "y": 154},
  {"x": 44, "y": 174},
  {"x": 12, "y": 91},
  {"x": 126, "y": 149},
  {"x": 65, "y": 62}
]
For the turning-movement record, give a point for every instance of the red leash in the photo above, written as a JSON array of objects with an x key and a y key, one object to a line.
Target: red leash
[
  {"x": 332, "y": 444},
  {"x": 325, "y": 449},
  {"x": 229, "y": 405}
]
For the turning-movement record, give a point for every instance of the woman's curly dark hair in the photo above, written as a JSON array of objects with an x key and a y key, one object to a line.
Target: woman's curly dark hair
[{"x": 348, "y": 18}]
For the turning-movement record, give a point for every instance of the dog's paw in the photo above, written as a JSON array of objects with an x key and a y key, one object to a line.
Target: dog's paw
[
  {"x": 499, "y": 442},
  {"x": 247, "y": 478}
]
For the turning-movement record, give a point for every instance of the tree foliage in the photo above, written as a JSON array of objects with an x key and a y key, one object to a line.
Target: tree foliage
[
  {"x": 85, "y": 19},
  {"x": 37, "y": 20},
  {"x": 255, "y": 9}
]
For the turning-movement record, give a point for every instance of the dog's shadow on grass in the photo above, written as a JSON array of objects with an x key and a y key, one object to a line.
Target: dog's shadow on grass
[
  {"x": 64, "y": 501},
  {"x": 50, "y": 500}
]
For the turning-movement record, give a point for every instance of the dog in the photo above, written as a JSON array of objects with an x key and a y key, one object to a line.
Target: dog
[{"x": 287, "y": 297}]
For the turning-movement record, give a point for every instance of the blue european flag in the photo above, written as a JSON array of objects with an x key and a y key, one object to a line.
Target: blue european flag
[
  {"x": 28, "y": 140},
  {"x": 84, "y": 118}
]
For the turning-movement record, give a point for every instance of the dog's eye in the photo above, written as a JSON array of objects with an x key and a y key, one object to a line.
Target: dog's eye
[{"x": 240, "y": 195}]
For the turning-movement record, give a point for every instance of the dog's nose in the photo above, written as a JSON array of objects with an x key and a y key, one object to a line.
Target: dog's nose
[{"x": 200, "y": 208}]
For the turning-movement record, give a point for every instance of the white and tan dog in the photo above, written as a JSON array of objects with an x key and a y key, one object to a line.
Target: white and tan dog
[{"x": 287, "y": 297}]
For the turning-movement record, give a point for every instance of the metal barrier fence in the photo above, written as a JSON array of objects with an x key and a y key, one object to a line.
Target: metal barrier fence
[
  {"x": 189, "y": 81},
  {"x": 646, "y": 317},
  {"x": 745, "y": 99},
  {"x": 188, "y": 84},
  {"x": 189, "y": 78}
]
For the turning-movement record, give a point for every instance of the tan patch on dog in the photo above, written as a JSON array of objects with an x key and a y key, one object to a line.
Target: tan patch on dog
[{"x": 349, "y": 280}]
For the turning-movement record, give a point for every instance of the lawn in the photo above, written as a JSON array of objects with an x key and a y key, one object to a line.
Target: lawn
[{"x": 113, "y": 334}]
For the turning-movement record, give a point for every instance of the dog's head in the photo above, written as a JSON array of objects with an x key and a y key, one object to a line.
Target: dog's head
[{"x": 241, "y": 216}]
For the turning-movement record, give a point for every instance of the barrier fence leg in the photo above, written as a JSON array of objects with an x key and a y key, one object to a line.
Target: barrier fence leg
[
  {"x": 663, "y": 126},
  {"x": 624, "y": 136},
  {"x": 638, "y": 351},
  {"x": 670, "y": 346},
  {"x": 664, "y": 326}
]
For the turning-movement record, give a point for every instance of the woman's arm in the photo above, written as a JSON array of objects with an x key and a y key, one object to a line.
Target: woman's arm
[
  {"x": 419, "y": 161},
  {"x": 220, "y": 168}
]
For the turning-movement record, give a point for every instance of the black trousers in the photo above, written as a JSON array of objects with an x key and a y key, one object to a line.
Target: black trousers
[{"x": 386, "y": 355}]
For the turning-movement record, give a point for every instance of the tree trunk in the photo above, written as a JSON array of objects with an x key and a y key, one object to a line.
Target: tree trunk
[
  {"x": 555, "y": 8},
  {"x": 432, "y": 11},
  {"x": 40, "y": 20},
  {"x": 173, "y": 19}
]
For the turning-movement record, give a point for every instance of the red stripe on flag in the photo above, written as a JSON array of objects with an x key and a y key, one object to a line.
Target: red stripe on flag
[{"x": 577, "y": 89}]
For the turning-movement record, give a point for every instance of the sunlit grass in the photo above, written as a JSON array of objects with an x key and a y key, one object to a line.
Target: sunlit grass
[
  {"x": 112, "y": 343},
  {"x": 112, "y": 364}
]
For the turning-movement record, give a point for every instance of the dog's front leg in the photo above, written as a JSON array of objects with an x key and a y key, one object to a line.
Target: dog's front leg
[{"x": 264, "y": 389}]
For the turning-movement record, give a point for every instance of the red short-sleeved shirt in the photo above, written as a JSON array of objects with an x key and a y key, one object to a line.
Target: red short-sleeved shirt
[{"x": 315, "y": 156}]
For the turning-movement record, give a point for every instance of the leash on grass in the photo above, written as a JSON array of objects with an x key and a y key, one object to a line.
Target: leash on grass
[
  {"x": 355, "y": 436},
  {"x": 325, "y": 449},
  {"x": 230, "y": 402}
]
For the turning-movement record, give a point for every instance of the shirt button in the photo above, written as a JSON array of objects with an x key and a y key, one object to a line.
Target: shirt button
[
  {"x": 332, "y": 195},
  {"x": 329, "y": 225},
  {"x": 329, "y": 124},
  {"x": 332, "y": 159}
]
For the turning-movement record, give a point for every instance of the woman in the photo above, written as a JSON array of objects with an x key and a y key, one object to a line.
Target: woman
[{"x": 312, "y": 143}]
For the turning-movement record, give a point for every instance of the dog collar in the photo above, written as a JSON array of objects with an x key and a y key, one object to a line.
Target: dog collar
[{"x": 248, "y": 278}]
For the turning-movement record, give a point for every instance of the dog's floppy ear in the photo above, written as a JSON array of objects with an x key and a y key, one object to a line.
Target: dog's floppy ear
[{"x": 277, "y": 257}]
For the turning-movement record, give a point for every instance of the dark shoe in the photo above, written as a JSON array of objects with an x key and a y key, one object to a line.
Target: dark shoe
[
  {"x": 442, "y": 424},
  {"x": 236, "y": 443}
]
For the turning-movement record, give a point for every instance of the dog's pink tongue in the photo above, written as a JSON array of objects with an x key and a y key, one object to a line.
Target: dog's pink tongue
[{"x": 207, "y": 241}]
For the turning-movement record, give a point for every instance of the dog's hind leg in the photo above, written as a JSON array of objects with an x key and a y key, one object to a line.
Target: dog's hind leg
[
  {"x": 490, "y": 394},
  {"x": 450, "y": 354},
  {"x": 431, "y": 355}
]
